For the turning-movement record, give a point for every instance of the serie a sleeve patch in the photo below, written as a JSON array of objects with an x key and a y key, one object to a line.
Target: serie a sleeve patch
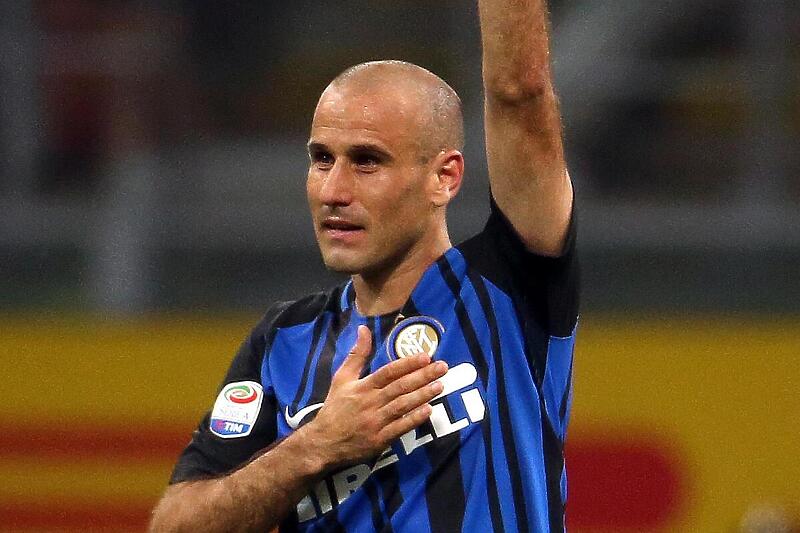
[{"x": 236, "y": 409}]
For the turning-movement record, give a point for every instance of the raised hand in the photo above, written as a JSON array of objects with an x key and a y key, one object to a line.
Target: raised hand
[{"x": 361, "y": 416}]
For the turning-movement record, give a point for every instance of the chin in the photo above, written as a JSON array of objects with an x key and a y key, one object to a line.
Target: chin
[
  {"x": 342, "y": 265},
  {"x": 341, "y": 269}
]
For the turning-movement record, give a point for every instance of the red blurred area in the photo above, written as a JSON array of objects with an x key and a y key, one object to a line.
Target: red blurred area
[{"x": 624, "y": 481}]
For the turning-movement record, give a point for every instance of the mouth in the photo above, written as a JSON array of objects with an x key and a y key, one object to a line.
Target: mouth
[{"x": 339, "y": 228}]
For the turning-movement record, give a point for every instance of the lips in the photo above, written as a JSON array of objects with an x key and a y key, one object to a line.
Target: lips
[
  {"x": 339, "y": 224},
  {"x": 341, "y": 229}
]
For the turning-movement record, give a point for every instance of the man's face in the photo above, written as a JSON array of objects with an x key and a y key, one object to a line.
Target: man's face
[{"x": 367, "y": 184}]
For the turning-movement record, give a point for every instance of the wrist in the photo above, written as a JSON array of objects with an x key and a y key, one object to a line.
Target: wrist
[{"x": 310, "y": 446}]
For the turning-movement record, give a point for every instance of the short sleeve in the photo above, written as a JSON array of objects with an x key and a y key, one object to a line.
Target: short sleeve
[
  {"x": 544, "y": 289},
  {"x": 224, "y": 440}
]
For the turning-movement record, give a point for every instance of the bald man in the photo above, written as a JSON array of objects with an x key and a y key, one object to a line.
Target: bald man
[{"x": 431, "y": 391}]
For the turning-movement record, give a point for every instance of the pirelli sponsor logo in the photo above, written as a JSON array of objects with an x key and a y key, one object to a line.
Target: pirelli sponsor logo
[{"x": 459, "y": 386}]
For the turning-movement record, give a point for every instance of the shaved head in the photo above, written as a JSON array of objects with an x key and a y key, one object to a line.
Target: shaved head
[
  {"x": 439, "y": 117},
  {"x": 385, "y": 160}
]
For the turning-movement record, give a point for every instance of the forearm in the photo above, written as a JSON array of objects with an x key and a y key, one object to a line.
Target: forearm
[
  {"x": 515, "y": 41},
  {"x": 524, "y": 148},
  {"x": 256, "y": 497},
  {"x": 358, "y": 420}
]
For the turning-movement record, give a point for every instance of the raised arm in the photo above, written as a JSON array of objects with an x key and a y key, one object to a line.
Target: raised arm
[{"x": 527, "y": 172}]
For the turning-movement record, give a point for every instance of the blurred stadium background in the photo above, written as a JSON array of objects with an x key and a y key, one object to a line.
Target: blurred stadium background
[{"x": 152, "y": 205}]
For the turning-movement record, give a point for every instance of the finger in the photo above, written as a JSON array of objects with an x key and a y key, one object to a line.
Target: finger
[
  {"x": 414, "y": 380},
  {"x": 404, "y": 424},
  {"x": 405, "y": 404},
  {"x": 359, "y": 353},
  {"x": 397, "y": 369}
]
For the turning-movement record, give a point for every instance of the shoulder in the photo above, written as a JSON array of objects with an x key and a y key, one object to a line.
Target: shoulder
[
  {"x": 544, "y": 288},
  {"x": 284, "y": 314},
  {"x": 289, "y": 313},
  {"x": 293, "y": 312},
  {"x": 498, "y": 250}
]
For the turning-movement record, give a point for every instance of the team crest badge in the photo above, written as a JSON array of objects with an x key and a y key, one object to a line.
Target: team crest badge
[
  {"x": 414, "y": 335},
  {"x": 236, "y": 409}
]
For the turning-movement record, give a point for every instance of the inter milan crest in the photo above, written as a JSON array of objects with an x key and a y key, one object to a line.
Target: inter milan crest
[{"x": 414, "y": 335}]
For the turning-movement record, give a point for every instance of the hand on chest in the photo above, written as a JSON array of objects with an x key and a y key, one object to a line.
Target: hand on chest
[{"x": 303, "y": 362}]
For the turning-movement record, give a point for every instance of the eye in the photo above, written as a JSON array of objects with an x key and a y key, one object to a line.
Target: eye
[
  {"x": 366, "y": 161},
  {"x": 321, "y": 159}
]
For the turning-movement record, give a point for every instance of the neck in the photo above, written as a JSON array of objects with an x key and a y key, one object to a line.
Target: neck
[{"x": 387, "y": 289}]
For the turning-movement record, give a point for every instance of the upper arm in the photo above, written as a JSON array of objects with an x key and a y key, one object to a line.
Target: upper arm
[
  {"x": 527, "y": 170},
  {"x": 218, "y": 447}
]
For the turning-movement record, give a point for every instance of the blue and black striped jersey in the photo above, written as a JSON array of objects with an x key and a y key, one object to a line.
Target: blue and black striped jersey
[{"x": 490, "y": 458}]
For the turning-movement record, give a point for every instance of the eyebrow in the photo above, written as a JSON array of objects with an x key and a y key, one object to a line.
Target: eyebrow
[
  {"x": 316, "y": 147},
  {"x": 353, "y": 150},
  {"x": 369, "y": 149}
]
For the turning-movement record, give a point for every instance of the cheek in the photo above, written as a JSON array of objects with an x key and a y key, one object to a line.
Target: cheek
[
  {"x": 405, "y": 214},
  {"x": 312, "y": 191},
  {"x": 413, "y": 201}
]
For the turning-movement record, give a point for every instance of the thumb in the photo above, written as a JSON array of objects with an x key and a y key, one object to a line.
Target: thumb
[{"x": 359, "y": 353}]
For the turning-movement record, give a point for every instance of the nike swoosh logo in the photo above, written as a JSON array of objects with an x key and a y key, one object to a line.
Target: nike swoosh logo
[
  {"x": 456, "y": 378},
  {"x": 294, "y": 421}
]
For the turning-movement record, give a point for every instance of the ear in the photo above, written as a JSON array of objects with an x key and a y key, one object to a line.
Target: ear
[{"x": 448, "y": 172}]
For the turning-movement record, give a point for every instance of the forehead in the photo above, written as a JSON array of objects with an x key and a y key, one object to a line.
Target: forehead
[{"x": 388, "y": 116}]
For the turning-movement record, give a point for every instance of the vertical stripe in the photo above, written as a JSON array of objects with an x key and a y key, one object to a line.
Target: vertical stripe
[
  {"x": 330, "y": 521},
  {"x": 554, "y": 402},
  {"x": 344, "y": 300},
  {"x": 370, "y": 486},
  {"x": 388, "y": 481},
  {"x": 467, "y": 329},
  {"x": 387, "y": 478},
  {"x": 566, "y": 403},
  {"x": 374, "y": 330},
  {"x": 334, "y": 351},
  {"x": 554, "y": 468},
  {"x": 312, "y": 353},
  {"x": 384, "y": 327},
  {"x": 330, "y": 524},
  {"x": 505, "y": 422},
  {"x": 324, "y": 368},
  {"x": 483, "y": 371},
  {"x": 556, "y": 379},
  {"x": 371, "y": 489},
  {"x": 445, "y": 486}
]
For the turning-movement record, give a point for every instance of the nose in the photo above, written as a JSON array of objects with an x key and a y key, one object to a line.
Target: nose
[{"x": 336, "y": 187}]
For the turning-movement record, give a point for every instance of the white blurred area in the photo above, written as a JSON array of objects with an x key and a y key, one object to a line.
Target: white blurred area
[{"x": 769, "y": 518}]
